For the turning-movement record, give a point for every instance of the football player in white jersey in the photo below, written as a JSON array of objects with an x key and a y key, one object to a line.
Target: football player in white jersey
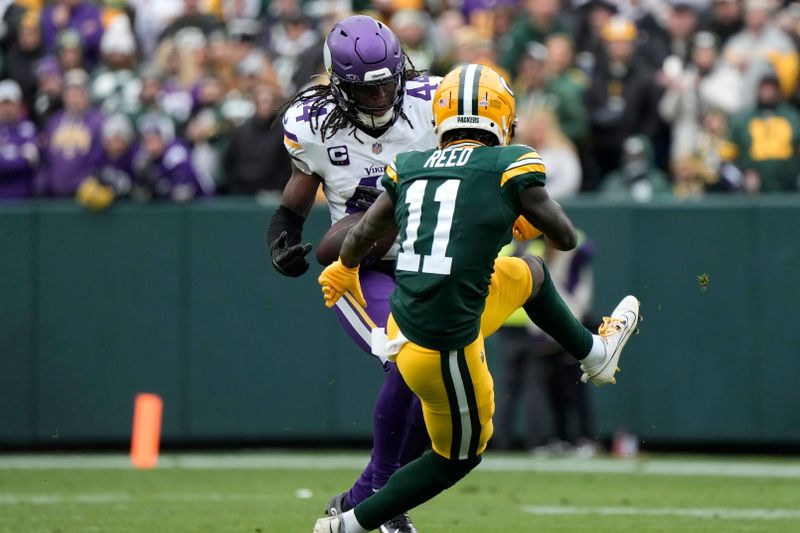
[{"x": 342, "y": 136}]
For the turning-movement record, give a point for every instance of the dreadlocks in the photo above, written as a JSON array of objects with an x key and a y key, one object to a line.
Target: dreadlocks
[{"x": 318, "y": 96}]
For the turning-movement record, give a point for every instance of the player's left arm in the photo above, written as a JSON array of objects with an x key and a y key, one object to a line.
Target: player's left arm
[
  {"x": 548, "y": 216},
  {"x": 522, "y": 184},
  {"x": 342, "y": 276}
]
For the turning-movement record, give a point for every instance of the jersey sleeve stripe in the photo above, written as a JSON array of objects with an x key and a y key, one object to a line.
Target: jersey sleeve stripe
[
  {"x": 523, "y": 162},
  {"x": 291, "y": 144},
  {"x": 291, "y": 136},
  {"x": 531, "y": 154},
  {"x": 509, "y": 174},
  {"x": 391, "y": 172}
]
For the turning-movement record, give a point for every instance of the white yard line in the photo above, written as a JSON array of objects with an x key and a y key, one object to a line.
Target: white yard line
[
  {"x": 492, "y": 463},
  {"x": 56, "y": 499},
  {"x": 109, "y": 498},
  {"x": 691, "y": 512},
  {"x": 559, "y": 510}
]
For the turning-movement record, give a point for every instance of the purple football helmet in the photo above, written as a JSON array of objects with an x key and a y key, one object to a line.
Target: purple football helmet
[{"x": 365, "y": 63}]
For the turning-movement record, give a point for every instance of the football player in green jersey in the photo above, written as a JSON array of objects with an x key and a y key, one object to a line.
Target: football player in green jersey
[{"x": 455, "y": 208}]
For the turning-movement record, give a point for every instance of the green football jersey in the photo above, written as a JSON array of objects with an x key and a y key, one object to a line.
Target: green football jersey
[{"x": 454, "y": 208}]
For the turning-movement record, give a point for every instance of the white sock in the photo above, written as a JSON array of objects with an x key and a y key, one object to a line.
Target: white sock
[
  {"x": 351, "y": 524},
  {"x": 597, "y": 354}
]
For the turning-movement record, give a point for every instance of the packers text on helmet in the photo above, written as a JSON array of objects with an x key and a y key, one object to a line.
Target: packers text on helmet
[{"x": 474, "y": 97}]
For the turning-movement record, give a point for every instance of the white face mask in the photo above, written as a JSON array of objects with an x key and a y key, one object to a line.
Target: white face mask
[{"x": 375, "y": 122}]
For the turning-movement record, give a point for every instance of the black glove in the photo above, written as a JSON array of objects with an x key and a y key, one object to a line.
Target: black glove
[
  {"x": 289, "y": 260},
  {"x": 365, "y": 196}
]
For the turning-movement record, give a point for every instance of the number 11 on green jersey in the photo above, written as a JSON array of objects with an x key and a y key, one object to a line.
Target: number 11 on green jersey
[{"x": 437, "y": 261}]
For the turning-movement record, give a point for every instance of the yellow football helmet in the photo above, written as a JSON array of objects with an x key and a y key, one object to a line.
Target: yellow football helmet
[{"x": 474, "y": 97}]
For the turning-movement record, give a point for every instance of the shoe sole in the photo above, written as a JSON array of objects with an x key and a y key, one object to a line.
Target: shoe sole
[
  {"x": 384, "y": 529},
  {"x": 614, "y": 361},
  {"x": 325, "y": 527}
]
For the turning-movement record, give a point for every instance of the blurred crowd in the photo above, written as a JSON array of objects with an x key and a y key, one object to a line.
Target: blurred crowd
[{"x": 177, "y": 99}]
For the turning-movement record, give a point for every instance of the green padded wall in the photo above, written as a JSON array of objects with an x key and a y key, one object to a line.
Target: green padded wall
[
  {"x": 110, "y": 303},
  {"x": 776, "y": 271},
  {"x": 17, "y": 324},
  {"x": 181, "y": 300},
  {"x": 265, "y": 357}
]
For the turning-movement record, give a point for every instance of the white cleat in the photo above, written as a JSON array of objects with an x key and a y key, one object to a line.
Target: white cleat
[
  {"x": 329, "y": 524},
  {"x": 615, "y": 332}
]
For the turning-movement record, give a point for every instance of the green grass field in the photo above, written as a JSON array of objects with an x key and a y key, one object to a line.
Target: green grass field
[{"x": 283, "y": 492}]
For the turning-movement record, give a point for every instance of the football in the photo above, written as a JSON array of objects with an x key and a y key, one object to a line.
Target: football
[{"x": 330, "y": 244}]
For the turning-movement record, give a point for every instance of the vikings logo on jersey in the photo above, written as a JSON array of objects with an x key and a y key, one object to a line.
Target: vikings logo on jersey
[{"x": 342, "y": 161}]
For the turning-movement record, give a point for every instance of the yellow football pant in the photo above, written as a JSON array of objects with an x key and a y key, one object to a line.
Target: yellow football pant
[{"x": 455, "y": 387}]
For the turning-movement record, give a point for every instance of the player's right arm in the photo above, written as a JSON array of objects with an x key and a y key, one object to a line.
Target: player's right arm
[
  {"x": 286, "y": 227},
  {"x": 342, "y": 275},
  {"x": 376, "y": 222},
  {"x": 285, "y": 233}
]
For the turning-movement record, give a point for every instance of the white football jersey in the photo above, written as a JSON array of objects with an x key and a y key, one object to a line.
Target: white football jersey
[{"x": 342, "y": 161}]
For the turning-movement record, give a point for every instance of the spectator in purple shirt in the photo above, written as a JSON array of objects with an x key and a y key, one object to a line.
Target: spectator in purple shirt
[
  {"x": 116, "y": 163},
  {"x": 71, "y": 145},
  {"x": 18, "y": 154},
  {"x": 79, "y": 15},
  {"x": 163, "y": 165},
  {"x": 113, "y": 177}
]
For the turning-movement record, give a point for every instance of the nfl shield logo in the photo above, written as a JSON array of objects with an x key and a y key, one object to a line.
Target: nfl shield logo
[{"x": 377, "y": 148}]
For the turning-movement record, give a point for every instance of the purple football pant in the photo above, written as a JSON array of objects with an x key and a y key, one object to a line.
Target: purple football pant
[{"x": 399, "y": 433}]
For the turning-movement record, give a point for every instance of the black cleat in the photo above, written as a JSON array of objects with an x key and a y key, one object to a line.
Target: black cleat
[
  {"x": 399, "y": 524},
  {"x": 337, "y": 505}
]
